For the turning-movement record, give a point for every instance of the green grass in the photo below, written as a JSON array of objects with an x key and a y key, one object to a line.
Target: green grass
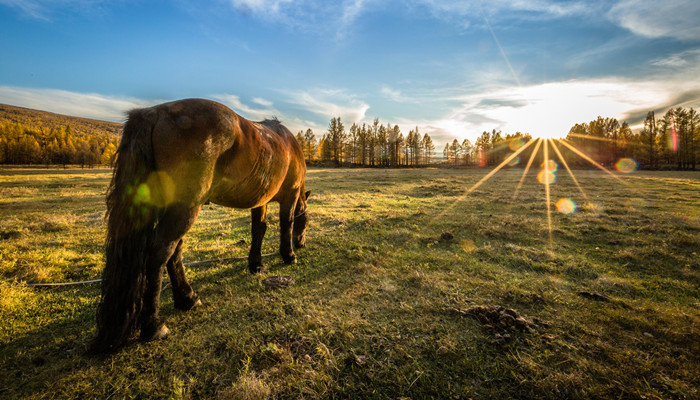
[{"x": 382, "y": 306}]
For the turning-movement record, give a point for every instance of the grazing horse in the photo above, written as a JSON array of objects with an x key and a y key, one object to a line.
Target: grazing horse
[{"x": 173, "y": 158}]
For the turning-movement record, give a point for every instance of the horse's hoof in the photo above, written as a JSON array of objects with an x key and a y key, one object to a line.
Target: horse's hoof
[
  {"x": 290, "y": 260},
  {"x": 188, "y": 303},
  {"x": 161, "y": 333},
  {"x": 255, "y": 268}
]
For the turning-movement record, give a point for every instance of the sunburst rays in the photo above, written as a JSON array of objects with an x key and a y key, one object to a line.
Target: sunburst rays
[{"x": 547, "y": 177}]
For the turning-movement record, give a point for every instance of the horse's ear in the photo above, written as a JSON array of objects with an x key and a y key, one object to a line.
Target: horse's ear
[{"x": 306, "y": 195}]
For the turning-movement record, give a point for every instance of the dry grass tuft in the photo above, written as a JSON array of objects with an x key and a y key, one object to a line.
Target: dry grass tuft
[{"x": 248, "y": 387}]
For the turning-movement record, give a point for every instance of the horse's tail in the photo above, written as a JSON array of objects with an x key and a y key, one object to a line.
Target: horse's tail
[{"x": 131, "y": 220}]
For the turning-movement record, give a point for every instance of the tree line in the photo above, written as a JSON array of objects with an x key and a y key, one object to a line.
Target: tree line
[
  {"x": 671, "y": 141},
  {"x": 37, "y": 144},
  {"x": 373, "y": 145},
  {"x": 667, "y": 142},
  {"x": 490, "y": 148}
]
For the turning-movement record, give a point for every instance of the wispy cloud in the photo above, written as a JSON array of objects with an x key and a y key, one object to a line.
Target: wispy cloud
[
  {"x": 45, "y": 9},
  {"x": 262, "y": 102},
  {"x": 88, "y": 105},
  {"x": 396, "y": 95},
  {"x": 267, "y": 7},
  {"x": 293, "y": 123},
  {"x": 309, "y": 15},
  {"x": 678, "y": 60},
  {"x": 669, "y": 18},
  {"x": 330, "y": 103},
  {"x": 246, "y": 111}
]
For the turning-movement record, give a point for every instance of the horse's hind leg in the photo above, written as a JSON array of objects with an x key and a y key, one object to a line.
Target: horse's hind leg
[
  {"x": 184, "y": 297},
  {"x": 258, "y": 227},
  {"x": 176, "y": 221}
]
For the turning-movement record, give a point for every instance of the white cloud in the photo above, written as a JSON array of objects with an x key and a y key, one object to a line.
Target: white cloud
[
  {"x": 669, "y": 18},
  {"x": 551, "y": 109},
  {"x": 294, "y": 124},
  {"x": 88, "y": 105},
  {"x": 330, "y": 103},
  {"x": 262, "y": 102},
  {"x": 246, "y": 111}
]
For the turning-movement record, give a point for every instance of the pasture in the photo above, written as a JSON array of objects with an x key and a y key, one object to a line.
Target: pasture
[{"x": 383, "y": 306}]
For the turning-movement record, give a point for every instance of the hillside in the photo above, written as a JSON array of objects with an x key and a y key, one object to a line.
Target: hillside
[
  {"x": 39, "y": 137},
  {"x": 81, "y": 126}
]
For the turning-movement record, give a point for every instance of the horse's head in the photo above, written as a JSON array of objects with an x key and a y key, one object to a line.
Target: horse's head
[{"x": 301, "y": 221}]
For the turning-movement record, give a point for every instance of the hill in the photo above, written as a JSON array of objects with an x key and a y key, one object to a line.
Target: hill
[
  {"x": 40, "y": 137},
  {"x": 81, "y": 126}
]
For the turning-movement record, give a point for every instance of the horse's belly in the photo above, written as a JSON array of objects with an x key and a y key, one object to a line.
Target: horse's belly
[{"x": 243, "y": 195}]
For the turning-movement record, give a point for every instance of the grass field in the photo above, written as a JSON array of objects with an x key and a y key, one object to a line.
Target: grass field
[{"x": 383, "y": 307}]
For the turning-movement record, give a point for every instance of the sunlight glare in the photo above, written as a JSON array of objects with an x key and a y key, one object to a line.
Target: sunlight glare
[
  {"x": 516, "y": 143},
  {"x": 626, "y": 165},
  {"x": 527, "y": 167},
  {"x": 566, "y": 206},
  {"x": 571, "y": 174},
  {"x": 548, "y": 200},
  {"x": 552, "y": 165},
  {"x": 546, "y": 177}
]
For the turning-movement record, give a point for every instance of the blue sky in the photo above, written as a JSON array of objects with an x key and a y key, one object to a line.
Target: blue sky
[{"x": 452, "y": 68}]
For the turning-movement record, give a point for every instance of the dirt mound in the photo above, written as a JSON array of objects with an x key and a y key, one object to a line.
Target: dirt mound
[{"x": 500, "y": 321}]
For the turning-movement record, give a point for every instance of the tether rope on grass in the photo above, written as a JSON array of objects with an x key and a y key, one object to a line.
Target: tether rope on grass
[{"x": 189, "y": 264}]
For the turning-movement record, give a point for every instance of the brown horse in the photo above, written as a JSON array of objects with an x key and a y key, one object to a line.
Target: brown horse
[{"x": 173, "y": 158}]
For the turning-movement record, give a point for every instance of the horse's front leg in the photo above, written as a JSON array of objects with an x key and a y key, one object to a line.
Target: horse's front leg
[
  {"x": 258, "y": 228},
  {"x": 286, "y": 224}
]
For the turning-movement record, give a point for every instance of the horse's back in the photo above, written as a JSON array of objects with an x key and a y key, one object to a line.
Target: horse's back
[{"x": 205, "y": 151}]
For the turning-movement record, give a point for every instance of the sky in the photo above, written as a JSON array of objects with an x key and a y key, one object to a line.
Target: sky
[{"x": 452, "y": 68}]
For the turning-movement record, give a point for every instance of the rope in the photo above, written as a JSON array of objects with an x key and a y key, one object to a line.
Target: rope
[{"x": 189, "y": 264}]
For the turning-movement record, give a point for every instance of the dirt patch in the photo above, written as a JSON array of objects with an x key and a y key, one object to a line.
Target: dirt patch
[
  {"x": 501, "y": 322},
  {"x": 278, "y": 282}
]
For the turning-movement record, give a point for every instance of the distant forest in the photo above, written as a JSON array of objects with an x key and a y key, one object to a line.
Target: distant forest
[
  {"x": 38, "y": 137},
  {"x": 373, "y": 145},
  {"x": 671, "y": 141}
]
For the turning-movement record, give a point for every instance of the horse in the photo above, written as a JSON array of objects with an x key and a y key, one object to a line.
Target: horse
[{"x": 172, "y": 159}]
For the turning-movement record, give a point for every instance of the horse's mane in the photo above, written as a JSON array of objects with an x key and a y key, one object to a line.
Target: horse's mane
[{"x": 274, "y": 124}]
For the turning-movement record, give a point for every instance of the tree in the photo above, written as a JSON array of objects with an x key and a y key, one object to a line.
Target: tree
[
  {"x": 466, "y": 151},
  {"x": 648, "y": 139},
  {"x": 310, "y": 143},
  {"x": 354, "y": 142},
  {"x": 108, "y": 154},
  {"x": 455, "y": 148},
  {"x": 428, "y": 148},
  {"x": 336, "y": 138}
]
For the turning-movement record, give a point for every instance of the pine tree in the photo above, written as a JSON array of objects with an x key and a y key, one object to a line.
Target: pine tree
[
  {"x": 310, "y": 143},
  {"x": 648, "y": 138}
]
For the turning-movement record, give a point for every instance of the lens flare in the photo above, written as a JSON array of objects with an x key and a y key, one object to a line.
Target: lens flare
[
  {"x": 515, "y": 162},
  {"x": 626, "y": 165},
  {"x": 566, "y": 206},
  {"x": 546, "y": 177},
  {"x": 552, "y": 166},
  {"x": 516, "y": 143}
]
